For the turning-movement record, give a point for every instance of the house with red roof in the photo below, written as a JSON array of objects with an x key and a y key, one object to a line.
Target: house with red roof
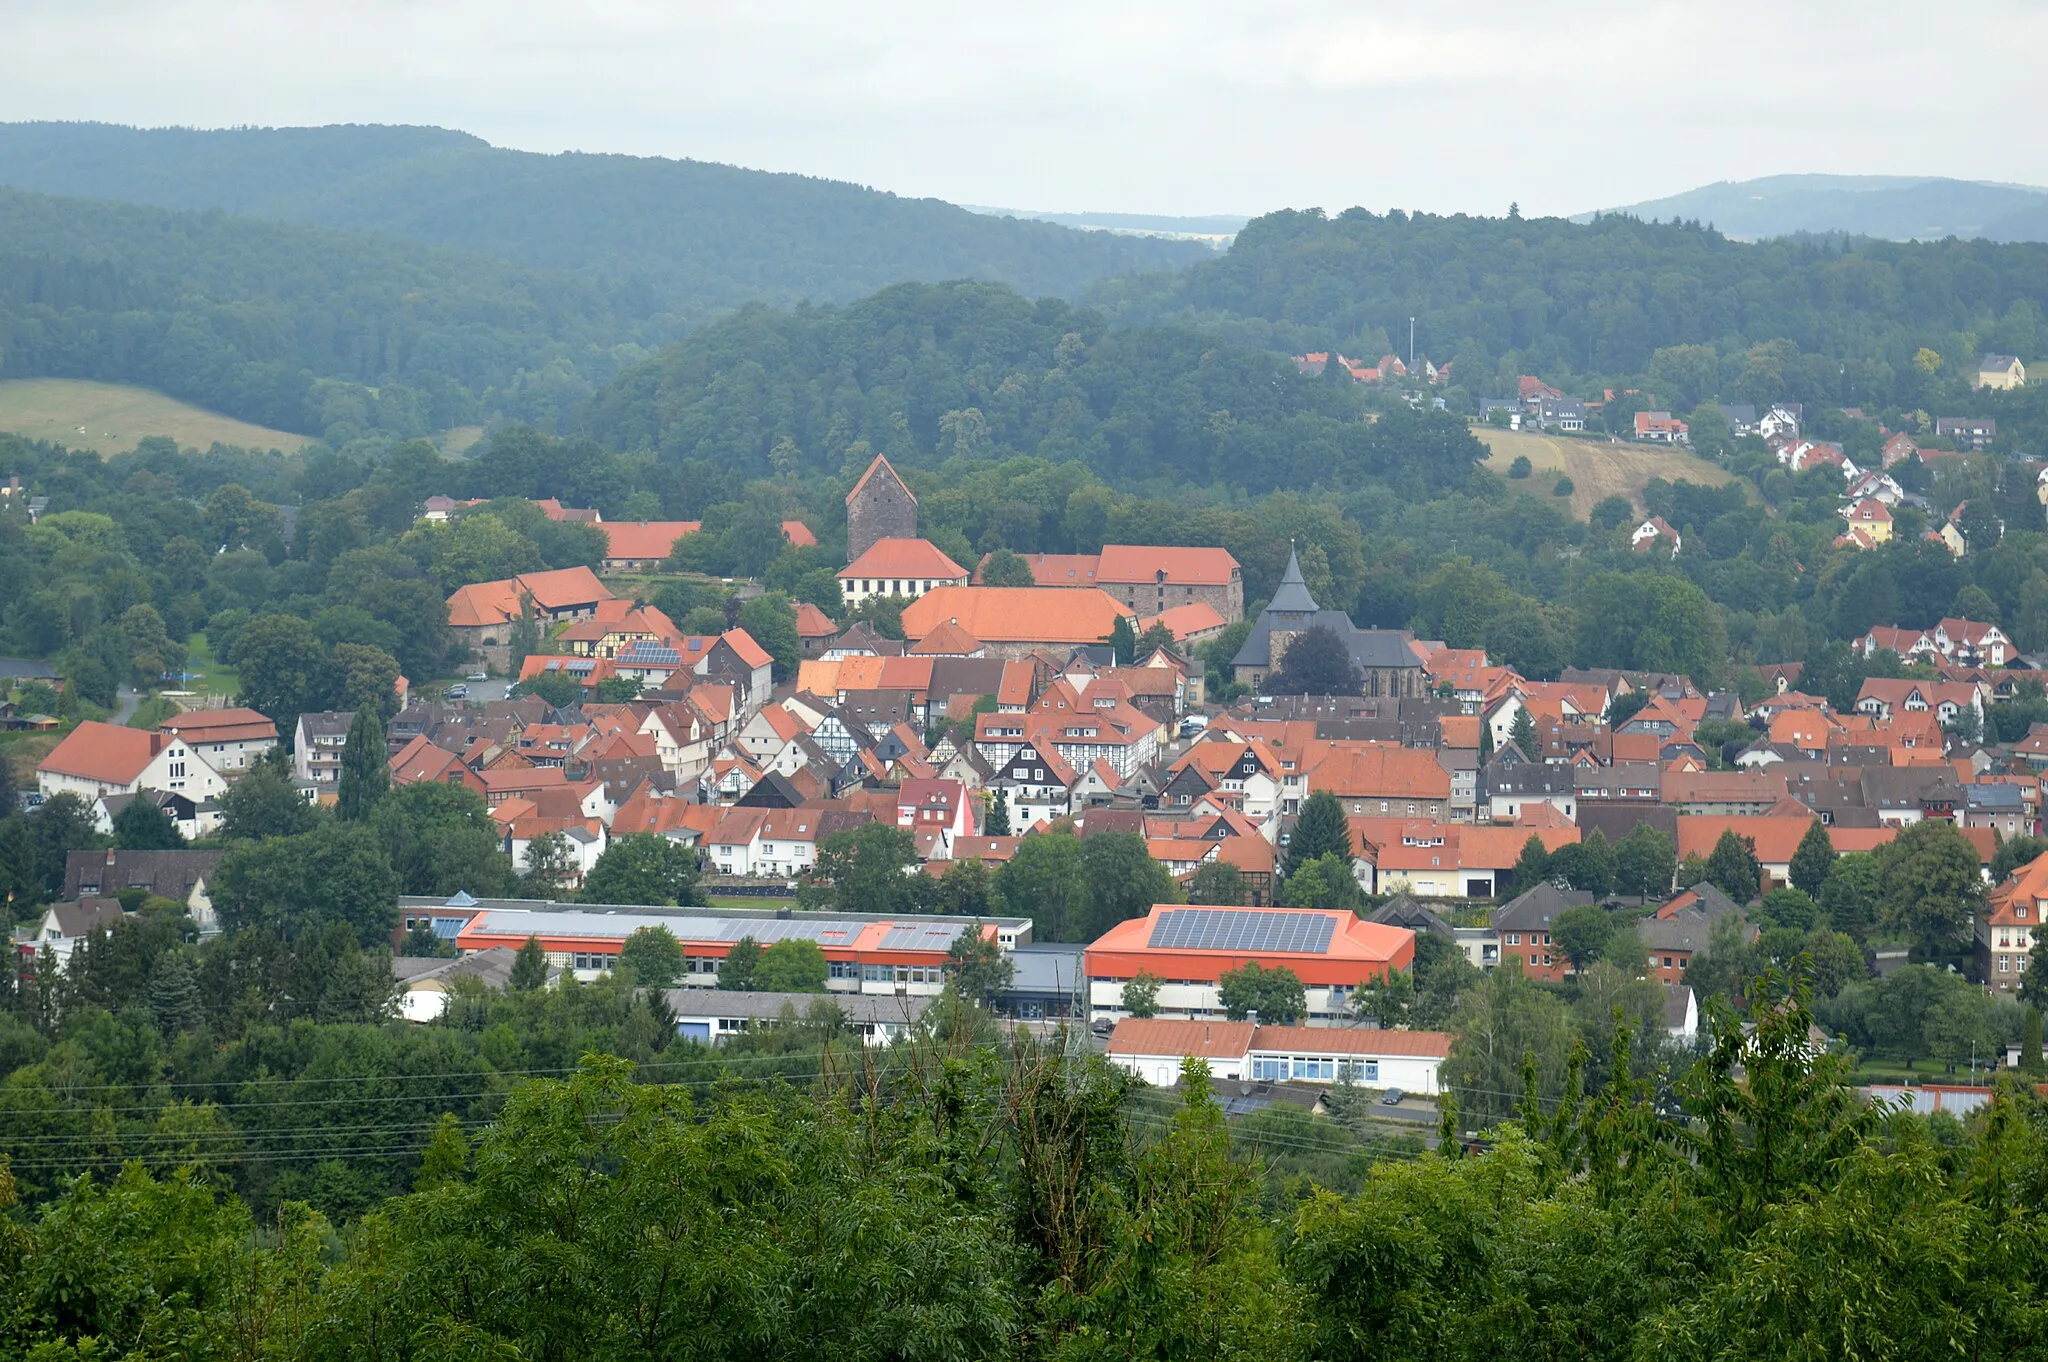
[
  {"x": 1153, "y": 1049},
  {"x": 2005, "y": 931},
  {"x": 482, "y": 614},
  {"x": 1661, "y": 427},
  {"x": 229, "y": 739},
  {"x": 1653, "y": 532},
  {"x": 815, "y": 629},
  {"x": 97, "y": 759},
  {"x": 642, "y": 545},
  {"x": 1013, "y": 621},
  {"x": 906, "y": 568}
]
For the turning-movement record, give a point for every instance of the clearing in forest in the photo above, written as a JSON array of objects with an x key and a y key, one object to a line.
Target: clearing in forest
[
  {"x": 1598, "y": 469},
  {"x": 111, "y": 418}
]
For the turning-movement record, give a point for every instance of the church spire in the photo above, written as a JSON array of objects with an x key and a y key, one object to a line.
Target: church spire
[{"x": 1292, "y": 598}]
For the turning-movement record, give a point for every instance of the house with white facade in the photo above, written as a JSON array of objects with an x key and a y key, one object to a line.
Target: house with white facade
[{"x": 97, "y": 759}]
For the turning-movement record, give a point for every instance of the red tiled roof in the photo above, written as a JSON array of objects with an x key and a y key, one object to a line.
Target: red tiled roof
[
  {"x": 799, "y": 534},
  {"x": 1133, "y": 563},
  {"x": 1200, "y": 1039},
  {"x": 639, "y": 539},
  {"x": 811, "y": 622},
  {"x": 1017, "y": 614},
  {"x": 914, "y": 559},
  {"x": 1197, "y": 617},
  {"x": 110, "y": 753},
  {"x": 742, "y": 643},
  {"x": 221, "y": 725}
]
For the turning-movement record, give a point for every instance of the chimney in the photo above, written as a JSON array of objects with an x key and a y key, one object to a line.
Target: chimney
[{"x": 110, "y": 856}]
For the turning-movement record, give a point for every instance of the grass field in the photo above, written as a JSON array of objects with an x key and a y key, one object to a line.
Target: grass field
[
  {"x": 1598, "y": 470},
  {"x": 109, "y": 418},
  {"x": 213, "y": 675}
]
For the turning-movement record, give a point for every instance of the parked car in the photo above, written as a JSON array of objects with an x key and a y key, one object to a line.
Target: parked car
[
  {"x": 458, "y": 691},
  {"x": 32, "y": 800},
  {"x": 1193, "y": 725},
  {"x": 479, "y": 676},
  {"x": 1392, "y": 1098}
]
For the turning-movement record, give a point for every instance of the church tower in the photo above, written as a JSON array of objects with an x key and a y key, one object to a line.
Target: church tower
[{"x": 878, "y": 507}]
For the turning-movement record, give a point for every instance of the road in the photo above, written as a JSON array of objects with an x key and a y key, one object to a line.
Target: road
[{"x": 126, "y": 702}]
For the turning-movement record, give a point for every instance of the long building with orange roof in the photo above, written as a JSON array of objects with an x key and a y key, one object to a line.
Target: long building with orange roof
[
  {"x": 1012, "y": 621},
  {"x": 1190, "y": 949}
]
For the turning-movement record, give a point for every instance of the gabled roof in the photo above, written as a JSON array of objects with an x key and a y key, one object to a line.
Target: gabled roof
[
  {"x": 743, "y": 645},
  {"x": 882, "y": 466},
  {"x": 1196, "y": 617},
  {"x": 799, "y": 534},
  {"x": 645, "y": 538},
  {"x": 916, "y": 559},
  {"x": 947, "y": 640},
  {"x": 223, "y": 725},
  {"x": 112, "y": 754},
  {"x": 811, "y": 622},
  {"x": 1134, "y": 563},
  {"x": 1017, "y": 614}
]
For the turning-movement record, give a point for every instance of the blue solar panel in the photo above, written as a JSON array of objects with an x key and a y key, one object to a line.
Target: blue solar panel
[{"x": 1229, "y": 929}]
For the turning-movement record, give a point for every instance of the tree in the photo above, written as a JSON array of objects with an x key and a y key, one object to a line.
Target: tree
[
  {"x": 1644, "y": 862},
  {"x": 1849, "y": 897},
  {"x": 265, "y": 803},
  {"x": 557, "y": 690},
  {"x": 1387, "y": 1001},
  {"x": 1522, "y": 733},
  {"x": 1317, "y": 662},
  {"x": 996, "y": 822},
  {"x": 366, "y": 681},
  {"x": 1141, "y": 994},
  {"x": 549, "y": 862},
  {"x": 1501, "y": 1022},
  {"x": 1812, "y": 860},
  {"x": 1320, "y": 829},
  {"x": 529, "y": 967},
  {"x": 1327, "y": 882},
  {"x": 1276, "y": 995},
  {"x": 143, "y": 826},
  {"x": 1787, "y": 908},
  {"x": 1046, "y": 882},
  {"x": 1532, "y": 867},
  {"x": 283, "y": 667},
  {"x": 1004, "y": 568},
  {"x": 770, "y": 620},
  {"x": 978, "y": 967},
  {"x": 643, "y": 868},
  {"x": 1219, "y": 883},
  {"x": 737, "y": 971},
  {"x": 1122, "y": 640},
  {"x": 967, "y": 889},
  {"x": 1582, "y": 933},
  {"x": 335, "y": 875},
  {"x": 440, "y": 840},
  {"x": 365, "y": 768},
  {"x": 2015, "y": 852},
  {"x": 2034, "y": 983},
  {"x": 174, "y": 994},
  {"x": 1123, "y": 880},
  {"x": 1732, "y": 867},
  {"x": 2031, "y": 1062},
  {"x": 654, "y": 957},
  {"x": 1154, "y": 639},
  {"x": 422, "y": 942},
  {"x": 1931, "y": 887},
  {"x": 1586, "y": 865},
  {"x": 865, "y": 868},
  {"x": 792, "y": 965}
]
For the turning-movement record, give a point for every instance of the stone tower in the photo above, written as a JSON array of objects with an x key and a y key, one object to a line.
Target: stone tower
[{"x": 878, "y": 507}]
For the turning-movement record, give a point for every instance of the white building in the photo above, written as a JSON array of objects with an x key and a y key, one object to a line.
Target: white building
[
  {"x": 229, "y": 739},
  {"x": 1154, "y": 1049},
  {"x": 97, "y": 759}
]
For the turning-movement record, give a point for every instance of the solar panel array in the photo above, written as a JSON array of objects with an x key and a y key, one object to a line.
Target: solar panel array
[
  {"x": 933, "y": 937},
  {"x": 1230, "y": 929}
]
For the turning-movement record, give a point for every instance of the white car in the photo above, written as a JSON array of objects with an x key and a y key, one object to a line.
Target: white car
[{"x": 479, "y": 676}]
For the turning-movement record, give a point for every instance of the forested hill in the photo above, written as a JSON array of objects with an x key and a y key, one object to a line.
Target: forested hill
[
  {"x": 1565, "y": 300},
  {"x": 1890, "y": 207},
  {"x": 927, "y": 372},
  {"x": 294, "y": 327},
  {"x": 699, "y": 238}
]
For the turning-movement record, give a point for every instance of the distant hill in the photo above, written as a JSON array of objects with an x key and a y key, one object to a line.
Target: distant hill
[
  {"x": 697, "y": 238},
  {"x": 1888, "y": 207},
  {"x": 1216, "y": 227}
]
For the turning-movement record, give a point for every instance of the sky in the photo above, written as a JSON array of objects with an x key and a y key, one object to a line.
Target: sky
[{"x": 1193, "y": 106}]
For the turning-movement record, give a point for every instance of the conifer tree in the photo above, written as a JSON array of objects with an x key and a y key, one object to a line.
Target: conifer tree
[
  {"x": 365, "y": 768},
  {"x": 530, "y": 970},
  {"x": 1812, "y": 860},
  {"x": 1320, "y": 830}
]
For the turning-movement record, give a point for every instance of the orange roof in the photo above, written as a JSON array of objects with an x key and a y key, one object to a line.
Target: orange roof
[
  {"x": 1776, "y": 837},
  {"x": 1198, "y": 1039},
  {"x": 905, "y": 673},
  {"x": 1806, "y": 729},
  {"x": 1015, "y": 686},
  {"x": 799, "y": 534},
  {"x": 1353, "y": 1040},
  {"x": 645, "y": 538},
  {"x": 1500, "y": 847},
  {"x": 221, "y": 725},
  {"x": 1376, "y": 770},
  {"x": 879, "y": 463},
  {"x": 110, "y": 753},
  {"x": 1183, "y": 621},
  {"x": 948, "y": 640},
  {"x": 482, "y": 604},
  {"x": 750, "y": 652},
  {"x": 860, "y": 672},
  {"x": 1017, "y": 614},
  {"x": 811, "y": 622},
  {"x": 781, "y": 722},
  {"x": 1146, "y": 564},
  {"x": 1254, "y": 854},
  {"x": 1061, "y": 569},
  {"x": 820, "y": 677},
  {"x": 915, "y": 559},
  {"x": 1357, "y": 950},
  {"x": 2026, "y": 886}
]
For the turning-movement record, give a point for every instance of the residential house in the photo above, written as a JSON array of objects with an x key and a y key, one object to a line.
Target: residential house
[
  {"x": 183, "y": 876},
  {"x": 1036, "y": 784},
  {"x": 906, "y": 568},
  {"x": 317, "y": 741},
  {"x": 1522, "y": 927},
  {"x": 1971, "y": 432},
  {"x": 228, "y": 739},
  {"x": 96, "y": 759},
  {"x": 2005, "y": 930},
  {"x": 1971, "y": 643},
  {"x": 1661, "y": 427},
  {"x": 1653, "y": 532},
  {"x": 64, "y": 925},
  {"x": 1999, "y": 371},
  {"x": 642, "y": 545},
  {"x": 481, "y": 616},
  {"x": 1681, "y": 929}
]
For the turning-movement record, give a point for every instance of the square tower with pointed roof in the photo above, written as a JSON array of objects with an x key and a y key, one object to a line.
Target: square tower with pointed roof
[{"x": 879, "y": 507}]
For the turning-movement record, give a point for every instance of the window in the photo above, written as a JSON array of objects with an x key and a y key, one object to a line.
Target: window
[
  {"x": 1269, "y": 1067},
  {"x": 1667, "y": 962},
  {"x": 1313, "y": 1067},
  {"x": 586, "y": 960},
  {"x": 2004, "y": 961},
  {"x": 1514, "y": 938},
  {"x": 842, "y": 969}
]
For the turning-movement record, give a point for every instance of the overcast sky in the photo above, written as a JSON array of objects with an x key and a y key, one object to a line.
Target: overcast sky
[{"x": 1135, "y": 105}]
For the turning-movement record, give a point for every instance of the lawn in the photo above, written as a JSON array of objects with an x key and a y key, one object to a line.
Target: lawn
[
  {"x": 110, "y": 418},
  {"x": 1598, "y": 469},
  {"x": 213, "y": 676}
]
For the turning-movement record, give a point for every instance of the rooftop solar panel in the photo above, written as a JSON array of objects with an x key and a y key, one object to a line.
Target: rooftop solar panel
[
  {"x": 1228, "y": 929},
  {"x": 932, "y": 937}
]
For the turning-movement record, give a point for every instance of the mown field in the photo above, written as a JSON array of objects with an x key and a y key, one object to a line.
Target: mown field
[
  {"x": 109, "y": 418},
  {"x": 1598, "y": 470}
]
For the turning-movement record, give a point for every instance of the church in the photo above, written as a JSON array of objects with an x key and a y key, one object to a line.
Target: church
[{"x": 1387, "y": 657}]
